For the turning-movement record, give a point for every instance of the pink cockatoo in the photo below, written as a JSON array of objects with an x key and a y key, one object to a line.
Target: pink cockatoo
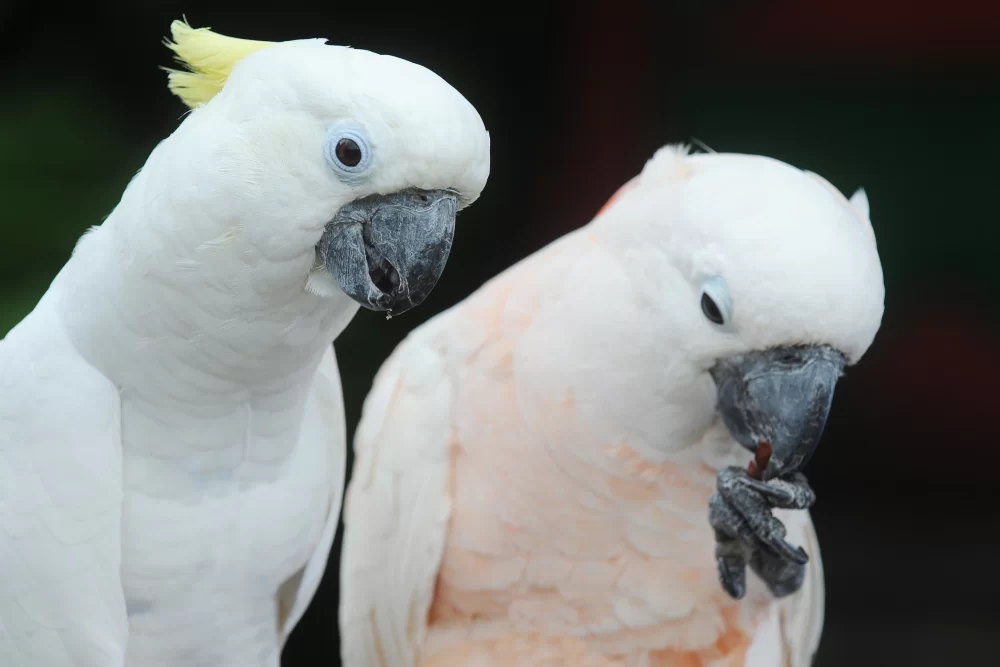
[{"x": 554, "y": 471}]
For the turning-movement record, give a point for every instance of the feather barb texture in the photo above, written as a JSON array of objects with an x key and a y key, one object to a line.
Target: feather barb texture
[{"x": 208, "y": 58}]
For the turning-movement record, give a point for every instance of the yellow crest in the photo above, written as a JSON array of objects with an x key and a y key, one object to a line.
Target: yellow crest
[{"x": 209, "y": 58}]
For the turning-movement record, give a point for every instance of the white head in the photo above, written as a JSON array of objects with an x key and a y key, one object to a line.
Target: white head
[
  {"x": 348, "y": 166},
  {"x": 769, "y": 279}
]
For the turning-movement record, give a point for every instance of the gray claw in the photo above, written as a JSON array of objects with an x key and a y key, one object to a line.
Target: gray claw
[
  {"x": 796, "y": 494},
  {"x": 782, "y": 577},
  {"x": 733, "y": 576},
  {"x": 747, "y": 533},
  {"x": 792, "y": 492},
  {"x": 771, "y": 491},
  {"x": 783, "y": 549},
  {"x": 730, "y": 527}
]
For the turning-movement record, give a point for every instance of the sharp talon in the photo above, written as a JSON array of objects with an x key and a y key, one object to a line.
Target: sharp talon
[
  {"x": 734, "y": 590},
  {"x": 732, "y": 579},
  {"x": 787, "y": 551},
  {"x": 767, "y": 490},
  {"x": 748, "y": 535}
]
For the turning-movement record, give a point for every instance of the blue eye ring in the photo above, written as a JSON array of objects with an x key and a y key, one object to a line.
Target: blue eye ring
[
  {"x": 716, "y": 304},
  {"x": 348, "y": 152}
]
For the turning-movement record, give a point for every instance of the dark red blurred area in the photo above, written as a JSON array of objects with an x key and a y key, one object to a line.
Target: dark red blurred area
[
  {"x": 901, "y": 33},
  {"x": 949, "y": 364}
]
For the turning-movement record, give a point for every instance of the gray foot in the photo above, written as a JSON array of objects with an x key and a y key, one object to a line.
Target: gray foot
[{"x": 747, "y": 534}]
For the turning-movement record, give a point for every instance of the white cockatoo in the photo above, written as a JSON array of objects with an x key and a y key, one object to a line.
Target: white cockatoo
[
  {"x": 554, "y": 471},
  {"x": 172, "y": 437}
]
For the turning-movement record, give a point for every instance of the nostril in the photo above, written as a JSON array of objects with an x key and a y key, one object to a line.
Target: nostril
[
  {"x": 384, "y": 276},
  {"x": 788, "y": 356}
]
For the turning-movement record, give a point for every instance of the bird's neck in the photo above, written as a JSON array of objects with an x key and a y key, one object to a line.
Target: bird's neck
[
  {"x": 200, "y": 320},
  {"x": 210, "y": 368}
]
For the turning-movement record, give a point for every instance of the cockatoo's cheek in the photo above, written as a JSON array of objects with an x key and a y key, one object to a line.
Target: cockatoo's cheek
[
  {"x": 387, "y": 252},
  {"x": 780, "y": 396}
]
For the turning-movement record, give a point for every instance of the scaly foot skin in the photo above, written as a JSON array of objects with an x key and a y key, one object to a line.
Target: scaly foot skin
[{"x": 747, "y": 534}]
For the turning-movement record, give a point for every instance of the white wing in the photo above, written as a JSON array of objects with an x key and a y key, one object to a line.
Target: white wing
[
  {"x": 790, "y": 634},
  {"x": 397, "y": 508},
  {"x": 802, "y": 613},
  {"x": 325, "y": 412},
  {"x": 61, "y": 599}
]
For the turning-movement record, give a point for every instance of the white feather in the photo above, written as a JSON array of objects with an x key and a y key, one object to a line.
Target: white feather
[
  {"x": 576, "y": 384},
  {"x": 172, "y": 441},
  {"x": 61, "y": 600},
  {"x": 396, "y": 511},
  {"x": 859, "y": 200}
]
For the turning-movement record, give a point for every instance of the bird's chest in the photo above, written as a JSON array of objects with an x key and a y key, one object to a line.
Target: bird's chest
[
  {"x": 218, "y": 512},
  {"x": 603, "y": 560}
]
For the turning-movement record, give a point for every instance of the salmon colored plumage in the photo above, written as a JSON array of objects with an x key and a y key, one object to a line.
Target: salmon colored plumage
[
  {"x": 513, "y": 502},
  {"x": 504, "y": 571}
]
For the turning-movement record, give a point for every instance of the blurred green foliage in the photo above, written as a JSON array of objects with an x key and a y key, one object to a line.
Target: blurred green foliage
[{"x": 65, "y": 165}]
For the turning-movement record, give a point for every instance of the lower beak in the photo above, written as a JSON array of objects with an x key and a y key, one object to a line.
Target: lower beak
[
  {"x": 387, "y": 252},
  {"x": 779, "y": 396}
]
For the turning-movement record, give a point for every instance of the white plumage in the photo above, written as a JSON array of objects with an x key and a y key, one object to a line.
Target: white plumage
[
  {"x": 171, "y": 421},
  {"x": 533, "y": 466}
]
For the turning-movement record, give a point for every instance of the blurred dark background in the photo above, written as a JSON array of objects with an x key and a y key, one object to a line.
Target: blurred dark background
[{"x": 898, "y": 96}]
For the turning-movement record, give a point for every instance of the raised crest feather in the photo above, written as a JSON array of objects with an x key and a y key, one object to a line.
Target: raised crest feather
[{"x": 208, "y": 57}]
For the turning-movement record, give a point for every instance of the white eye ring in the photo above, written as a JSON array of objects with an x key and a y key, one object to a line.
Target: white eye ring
[
  {"x": 348, "y": 152},
  {"x": 716, "y": 304}
]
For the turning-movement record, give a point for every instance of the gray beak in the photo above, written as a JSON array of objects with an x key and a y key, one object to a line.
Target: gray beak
[
  {"x": 780, "y": 396},
  {"x": 387, "y": 252}
]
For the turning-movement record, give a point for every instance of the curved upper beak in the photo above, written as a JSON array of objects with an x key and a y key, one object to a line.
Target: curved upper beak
[
  {"x": 387, "y": 252},
  {"x": 780, "y": 396}
]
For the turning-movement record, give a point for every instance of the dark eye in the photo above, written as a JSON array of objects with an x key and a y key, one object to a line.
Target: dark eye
[
  {"x": 711, "y": 309},
  {"x": 348, "y": 153}
]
